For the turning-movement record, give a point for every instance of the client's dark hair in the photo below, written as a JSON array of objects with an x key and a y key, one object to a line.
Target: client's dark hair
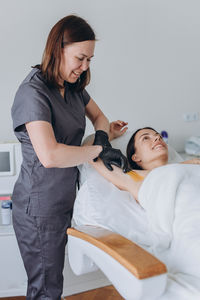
[{"x": 130, "y": 150}]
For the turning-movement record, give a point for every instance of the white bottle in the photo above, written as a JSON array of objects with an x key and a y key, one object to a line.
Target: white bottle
[{"x": 6, "y": 212}]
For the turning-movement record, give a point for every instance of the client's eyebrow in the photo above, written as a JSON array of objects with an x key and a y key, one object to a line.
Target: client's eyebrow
[
  {"x": 144, "y": 134},
  {"x": 147, "y": 133}
]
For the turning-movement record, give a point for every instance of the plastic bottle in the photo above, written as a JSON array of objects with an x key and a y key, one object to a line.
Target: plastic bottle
[
  {"x": 164, "y": 135},
  {"x": 6, "y": 212}
]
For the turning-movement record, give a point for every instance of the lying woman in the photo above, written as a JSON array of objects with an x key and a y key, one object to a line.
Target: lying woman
[{"x": 146, "y": 150}]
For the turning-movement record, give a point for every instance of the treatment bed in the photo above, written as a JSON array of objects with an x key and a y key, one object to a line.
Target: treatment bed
[{"x": 143, "y": 252}]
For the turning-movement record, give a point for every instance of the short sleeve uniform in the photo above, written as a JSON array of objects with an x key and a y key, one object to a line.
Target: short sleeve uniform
[{"x": 47, "y": 191}]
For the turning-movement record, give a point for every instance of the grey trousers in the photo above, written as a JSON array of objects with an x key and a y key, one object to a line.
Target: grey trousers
[{"x": 42, "y": 242}]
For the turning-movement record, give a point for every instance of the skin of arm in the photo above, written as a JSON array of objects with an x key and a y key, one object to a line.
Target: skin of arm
[
  {"x": 195, "y": 161},
  {"x": 118, "y": 178},
  {"x": 96, "y": 116},
  {"x": 52, "y": 154}
]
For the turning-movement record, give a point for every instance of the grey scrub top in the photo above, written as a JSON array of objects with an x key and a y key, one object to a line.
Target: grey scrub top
[{"x": 47, "y": 191}]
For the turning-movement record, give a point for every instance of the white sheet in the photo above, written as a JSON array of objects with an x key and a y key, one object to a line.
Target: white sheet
[
  {"x": 168, "y": 227},
  {"x": 171, "y": 198}
]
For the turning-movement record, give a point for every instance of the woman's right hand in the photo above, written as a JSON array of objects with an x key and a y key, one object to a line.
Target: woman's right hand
[{"x": 117, "y": 129}]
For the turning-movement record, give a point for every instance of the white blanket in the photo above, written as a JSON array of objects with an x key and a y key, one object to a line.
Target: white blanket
[
  {"x": 170, "y": 196},
  {"x": 168, "y": 226}
]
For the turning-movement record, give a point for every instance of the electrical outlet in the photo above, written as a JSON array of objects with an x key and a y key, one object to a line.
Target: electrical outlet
[
  {"x": 196, "y": 116},
  {"x": 191, "y": 117}
]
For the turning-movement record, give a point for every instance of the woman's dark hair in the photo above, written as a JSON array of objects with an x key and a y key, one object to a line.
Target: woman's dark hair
[
  {"x": 70, "y": 29},
  {"x": 130, "y": 150}
]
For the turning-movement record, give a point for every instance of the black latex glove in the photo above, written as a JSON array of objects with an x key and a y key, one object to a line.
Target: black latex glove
[
  {"x": 101, "y": 138},
  {"x": 115, "y": 157}
]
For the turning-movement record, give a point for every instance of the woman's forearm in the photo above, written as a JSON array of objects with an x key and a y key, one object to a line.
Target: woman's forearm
[
  {"x": 195, "y": 161},
  {"x": 97, "y": 117},
  {"x": 64, "y": 156},
  {"x": 102, "y": 123},
  {"x": 52, "y": 154}
]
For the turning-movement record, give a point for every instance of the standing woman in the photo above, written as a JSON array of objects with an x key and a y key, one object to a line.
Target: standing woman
[{"x": 49, "y": 120}]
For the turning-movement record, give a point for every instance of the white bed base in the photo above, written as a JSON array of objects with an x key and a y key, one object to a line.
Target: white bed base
[{"x": 88, "y": 251}]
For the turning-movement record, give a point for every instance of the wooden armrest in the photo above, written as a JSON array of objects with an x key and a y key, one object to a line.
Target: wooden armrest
[{"x": 139, "y": 262}]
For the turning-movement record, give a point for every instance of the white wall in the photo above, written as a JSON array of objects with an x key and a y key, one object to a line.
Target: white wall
[{"x": 146, "y": 68}]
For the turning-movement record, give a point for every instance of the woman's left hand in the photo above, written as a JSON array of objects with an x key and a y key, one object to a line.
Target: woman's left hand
[
  {"x": 117, "y": 128},
  {"x": 195, "y": 161}
]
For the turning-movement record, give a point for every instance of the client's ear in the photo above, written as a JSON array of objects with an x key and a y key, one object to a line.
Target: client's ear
[{"x": 135, "y": 158}]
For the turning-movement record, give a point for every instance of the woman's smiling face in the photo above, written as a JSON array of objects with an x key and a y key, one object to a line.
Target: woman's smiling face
[
  {"x": 75, "y": 59},
  {"x": 149, "y": 148}
]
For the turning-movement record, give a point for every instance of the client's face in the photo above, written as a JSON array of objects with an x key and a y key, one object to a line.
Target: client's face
[{"x": 151, "y": 150}]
